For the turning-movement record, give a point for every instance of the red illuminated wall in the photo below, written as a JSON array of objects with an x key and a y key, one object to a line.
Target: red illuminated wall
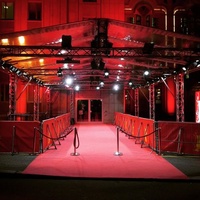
[
  {"x": 170, "y": 96},
  {"x": 197, "y": 107}
]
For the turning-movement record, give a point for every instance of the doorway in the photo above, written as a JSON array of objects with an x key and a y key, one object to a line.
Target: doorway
[{"x": 89, "y": 110}]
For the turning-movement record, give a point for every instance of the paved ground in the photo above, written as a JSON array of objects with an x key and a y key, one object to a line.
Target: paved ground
[{"x": 16, "y": 186}]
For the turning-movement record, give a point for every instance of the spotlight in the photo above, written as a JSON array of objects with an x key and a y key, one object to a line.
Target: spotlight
[
  {"x": 146, "y": 73},
  {"x": 77, "y": 87},
  {"x": 13, "y": 69},
  {"x": 130, "y": 83},
  {"x": 106, "y": 73},
  {"x": 116, "y": 87},
  {"x": 69, "y": 80},
  {"x": 18, "y": 72},
  {"x": 98, "y": 88},
  {"x": 101, "y": 84},
  {"x": 59, "y": 72}
]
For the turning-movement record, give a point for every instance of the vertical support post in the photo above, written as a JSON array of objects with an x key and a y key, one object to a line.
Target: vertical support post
[
  {"x": 72, "y": 97},
  {"x": 36, "y": 103},
  {"x": 136, "y": 98},
  {"x": 180, "y": 97},
  {"x": 48, "y": 101},
  {"x": 12, "y": 95},
  {"x": 117, "y": 153},
  {"x": 152, "y": 101}
]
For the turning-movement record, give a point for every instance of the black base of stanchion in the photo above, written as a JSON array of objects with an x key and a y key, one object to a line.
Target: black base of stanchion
[
  {"x": 75, "y": 154},
  {"x": 118, "y": 153}
]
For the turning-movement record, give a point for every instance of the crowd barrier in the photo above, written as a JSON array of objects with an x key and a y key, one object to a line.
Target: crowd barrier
[
  {"x": 55, "y": 129},
  {"x": 19, "y": 136},
  {"x": 161, "y": 136},
  {"x": 33, "y": 136},
  {"x": 179, "y": 137},
  {"x": 141, "y": 129}
]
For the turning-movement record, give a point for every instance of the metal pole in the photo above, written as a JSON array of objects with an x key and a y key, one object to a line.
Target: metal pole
[{"x": 117, "y": 153}]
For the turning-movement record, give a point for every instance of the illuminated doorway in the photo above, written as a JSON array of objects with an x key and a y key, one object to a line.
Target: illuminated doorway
[{"x": 89, "y": 110}]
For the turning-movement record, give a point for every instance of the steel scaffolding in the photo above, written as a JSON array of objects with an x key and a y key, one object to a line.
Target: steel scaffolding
[
  {"x": 152, "y": 101},
  {"x": 180, "y": 97},
  {"x": 136, "y": 98},
  {"x": 36, "y": 103},
  {"x": 12, "y": 95}
]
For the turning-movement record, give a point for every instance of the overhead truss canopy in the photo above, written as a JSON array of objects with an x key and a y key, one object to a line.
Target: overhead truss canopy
[{"x": 125, "y": 50}]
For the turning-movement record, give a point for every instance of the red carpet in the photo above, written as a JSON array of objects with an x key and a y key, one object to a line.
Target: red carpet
[{"x": 97, "y": 147}]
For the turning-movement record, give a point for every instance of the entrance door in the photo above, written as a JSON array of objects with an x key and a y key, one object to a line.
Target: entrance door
[
  {"x": 96, "y": 110},
  {"x": 89, "y": 110}
]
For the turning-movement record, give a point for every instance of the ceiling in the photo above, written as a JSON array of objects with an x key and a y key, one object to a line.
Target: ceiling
[{"x": 126, "y": 59}]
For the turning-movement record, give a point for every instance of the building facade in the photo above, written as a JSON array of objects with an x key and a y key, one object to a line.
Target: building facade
[{"x": 21, "y": 15}]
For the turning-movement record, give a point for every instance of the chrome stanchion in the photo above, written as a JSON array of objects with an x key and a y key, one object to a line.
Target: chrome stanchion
[
  {"x": 76, "y": 145},
  {"x": 117, "y": 153}
]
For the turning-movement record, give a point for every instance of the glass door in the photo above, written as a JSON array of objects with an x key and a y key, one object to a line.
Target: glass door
[
  {"x": 82, "y": 111},
  {"x": 89, "y": 110},
  {"x": 95, "y": 110}
]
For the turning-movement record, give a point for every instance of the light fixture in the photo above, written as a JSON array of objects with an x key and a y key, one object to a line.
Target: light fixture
[
  {"x": 116, "y": 87},
  {"x": 146, "y": 73},
  {"x": 101, "y": 84},
  {"x": 69, "y": 80},
  {"x": 148, "y": 48},
  {"x": 106, "y": 73},
  {"x": 130, "y": 83},
  {"x": 12, "y": 68},
  {"x": 59, "y": 72},
  {"x": 77, "y": 87}
]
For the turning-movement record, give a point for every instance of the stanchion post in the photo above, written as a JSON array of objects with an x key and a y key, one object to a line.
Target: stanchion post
[
  {"x": 117, "y": 153},
  {"x": 75, "y": 145}
]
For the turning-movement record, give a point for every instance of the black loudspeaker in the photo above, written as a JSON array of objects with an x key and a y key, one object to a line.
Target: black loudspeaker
[
  {"x": 66, "y": 41},
  {"x": 148, "y": 48}
]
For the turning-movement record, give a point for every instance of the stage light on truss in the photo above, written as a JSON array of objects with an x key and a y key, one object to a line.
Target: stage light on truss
[
  {"x": 77, "y": 87},
  {"x": 106, "y": 73},
  {"x": 59, "y": 72},
  {"x": 101, "y": 84},
  {"x": 98, "y": 88},
  {"x": 130, "y": 83},
  {"x": 148, "y": 48},
  {"x": 69, "y": 80},
  {"x": 12, "y": 68},
  {"x": 146, "y": 73},
  {"x": 116, "y": 87}
]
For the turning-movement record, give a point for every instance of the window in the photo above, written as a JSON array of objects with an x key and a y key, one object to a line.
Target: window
[
  {"x": 34, "y": 11},
  {"x": 7, "y": 10},
  {"x": 89, "y": 0}
]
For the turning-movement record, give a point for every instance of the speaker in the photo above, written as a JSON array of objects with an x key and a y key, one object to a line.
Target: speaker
[
  {"x": 148, "y": 48},
  {"x": 66, "y": 41}
]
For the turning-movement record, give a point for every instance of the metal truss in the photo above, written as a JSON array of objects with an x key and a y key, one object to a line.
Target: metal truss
[
  {"x": 152, "y": 101},
  {"x": 72, "y": 106},
  {"x": 57, "y": 51},
  {"x": 48, "y": 101},
  {"x": 180, "y": 97},
  {"x": 12, "y": 95},
  {"x": 136, "y": 98},
  {"x": 36, "y": 103}
]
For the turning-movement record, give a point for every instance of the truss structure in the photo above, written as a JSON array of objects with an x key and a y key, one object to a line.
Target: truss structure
[
  {"x": 180, "y": 97},
  {"x": 152, "y": 101},
  {"x": 57, "y": 51}
]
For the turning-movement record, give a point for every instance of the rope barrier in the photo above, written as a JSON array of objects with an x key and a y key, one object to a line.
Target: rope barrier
[{"x": 139, "y": 136}]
